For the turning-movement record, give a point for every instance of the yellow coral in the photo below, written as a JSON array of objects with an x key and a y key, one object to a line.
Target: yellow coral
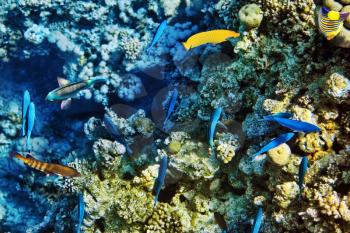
[
  {"x": 174, "y": 147},
  {"x": 280, "y": 155},
  {"x": 225, "y": 152}
]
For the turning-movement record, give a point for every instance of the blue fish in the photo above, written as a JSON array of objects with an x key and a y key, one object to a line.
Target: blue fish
[
  {"x": 213, "y": 122},
  {"x": 158, "y": 35},
  {"x": 113, "y": 130},
  {"x": 171, "y": 106},
  {"x": 81, "y": 212},
  {"x": 30, "y": 124},
  {"x": 159, "y": 182},
  {"x": 299, "y": 126},
  {"x": 275, "y": 143},
  {"x": 280, "y": 115},
  {"x": 302, "y": 172},
  {"x": 25, "y": 105},
  {"x": 257, "y": 221}
]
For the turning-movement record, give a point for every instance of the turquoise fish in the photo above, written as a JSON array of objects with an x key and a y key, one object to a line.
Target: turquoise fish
[
  {"x": 66, "y": 90},
  {"x": 257, "y": 221},
  {"x": 171, "y": 106},
  {"x": 81, "y": 212},
  {"x": 299, "y": 126},
  {"x": 25, "y": 106},
  {"x": 302, "y": 173},
  {"x": 213, "y": 122},
  {"x": 159, "y": 182},
  {"x": 160, "y": 30},
  {"x": 283, "y": 138},
  {"x": 30, "y": 124}
]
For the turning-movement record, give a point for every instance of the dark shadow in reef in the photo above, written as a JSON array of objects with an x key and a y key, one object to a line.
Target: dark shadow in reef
[
  {"x": 37, "y": 73},
  {"x": 152, "y": 84},
  {"x": 14, "y": 188},
  {"x": 82, "y": 109}
]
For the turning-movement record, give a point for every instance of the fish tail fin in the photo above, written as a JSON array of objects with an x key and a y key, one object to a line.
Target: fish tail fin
[
  {"x": 300, "y": 193},
  {"x": 148, "y": 50},
  {"x": 23, "y": 130},
  {"x": 212, "y": 151},
  {"x": 268, "y": 118},
  {"x": 155, "y": 201},
  {"x": 186, "y": 45},
  {"x": 165, "y": 122}
]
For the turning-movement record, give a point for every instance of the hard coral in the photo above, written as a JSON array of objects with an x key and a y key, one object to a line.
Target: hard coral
[{"x": 250, "y": 16}]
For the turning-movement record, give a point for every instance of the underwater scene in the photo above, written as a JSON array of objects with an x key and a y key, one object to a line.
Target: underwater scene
[{"x": 175, "y": 116}]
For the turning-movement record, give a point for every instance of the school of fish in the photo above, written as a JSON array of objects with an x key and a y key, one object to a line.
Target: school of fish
[{"x": 330, "y": 24}]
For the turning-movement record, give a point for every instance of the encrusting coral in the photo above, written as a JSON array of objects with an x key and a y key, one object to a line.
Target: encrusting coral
[{"x": 250, "y": 15}]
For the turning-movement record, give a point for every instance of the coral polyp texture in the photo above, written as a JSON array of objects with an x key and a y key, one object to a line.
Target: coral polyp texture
[{"x": 113, "y": 135}]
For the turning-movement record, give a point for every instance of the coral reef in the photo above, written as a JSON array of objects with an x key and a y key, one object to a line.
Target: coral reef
[{"x": 281, "y": 63}]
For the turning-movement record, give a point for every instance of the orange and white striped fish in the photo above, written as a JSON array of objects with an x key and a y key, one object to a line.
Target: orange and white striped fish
[
  {"x": 331, "y": 22},
  {"x": 48, "y": 168}
]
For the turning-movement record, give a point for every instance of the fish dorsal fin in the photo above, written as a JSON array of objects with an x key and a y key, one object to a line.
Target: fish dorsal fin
[
  {"x": 29, "y": 156},
  {"x": 62, "y": 82}
]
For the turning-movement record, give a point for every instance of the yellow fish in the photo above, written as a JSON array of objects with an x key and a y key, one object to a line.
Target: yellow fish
[
  {"x": 212, "y": 37},
  {"x": 331, "y": 22}
]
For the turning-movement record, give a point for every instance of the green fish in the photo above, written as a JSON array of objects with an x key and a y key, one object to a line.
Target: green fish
[{"x": 66, "y": 90}]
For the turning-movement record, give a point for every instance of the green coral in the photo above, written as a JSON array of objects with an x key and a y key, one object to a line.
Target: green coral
[
  {"x": 250, "y": 16},
  {"x": 144, "y": 125},
  {"x": 174, "y": 147},
  {"x": 119, "y": 203},
  {"x": 194, "y": 161}
]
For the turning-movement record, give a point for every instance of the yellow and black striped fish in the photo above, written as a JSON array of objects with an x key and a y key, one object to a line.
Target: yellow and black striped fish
[
  {"x": 48, "y": 168},
  {"x": 331, "y": 22}
]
